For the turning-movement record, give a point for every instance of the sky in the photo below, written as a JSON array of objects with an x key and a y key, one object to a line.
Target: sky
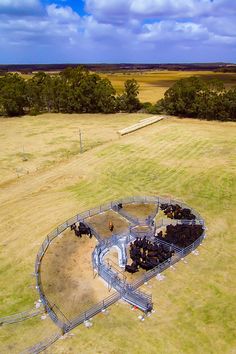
[{"x": 117, "y": 31}]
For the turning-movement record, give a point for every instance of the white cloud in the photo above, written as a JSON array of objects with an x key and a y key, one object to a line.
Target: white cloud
[
  {"x": 20, "y": 6},
  {"x": 62, "y": 13},
  {"x": 178, "y": 8},
  {"x": 58, "y": 25},
  {"x": 186, "y": 34},
  {"x": 173, "y": 31},
  {"x": 108, "y": 10},
  {"x": 106, "y": 33},
  {"x": 18, "y": 3},
  {"x": 221, "y": 25}
]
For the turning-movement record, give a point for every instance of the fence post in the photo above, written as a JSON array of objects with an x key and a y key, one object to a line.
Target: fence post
[
  {"x": 193, "y": 247},
  {"x": 38, "y": 260}
]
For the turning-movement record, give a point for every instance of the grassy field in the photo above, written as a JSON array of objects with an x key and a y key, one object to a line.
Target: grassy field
[
  {"x": 187, "y": 159},
  {"x": 36, "y": 143}
]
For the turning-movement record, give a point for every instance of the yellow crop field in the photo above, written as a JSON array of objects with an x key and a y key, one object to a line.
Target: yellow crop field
[{"x": 153, "y": 84}]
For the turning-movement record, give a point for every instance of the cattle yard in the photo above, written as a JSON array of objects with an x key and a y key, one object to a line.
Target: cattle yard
[{"x": 68, "y": 269}]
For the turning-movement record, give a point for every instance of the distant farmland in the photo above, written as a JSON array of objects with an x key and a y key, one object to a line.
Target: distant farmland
[
  {"x": 153, "y": 84},
  {"x": 154, "y": 79}
]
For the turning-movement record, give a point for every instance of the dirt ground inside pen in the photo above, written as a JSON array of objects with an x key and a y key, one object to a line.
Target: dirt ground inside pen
[
  {"x": 141, "y": 210},
  {"x": 101, "y": 221},
  {"x": 67, "y": 275}
]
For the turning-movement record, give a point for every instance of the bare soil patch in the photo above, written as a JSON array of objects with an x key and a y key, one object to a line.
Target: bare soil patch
[
  {"x": 101, "y": 221},
  {"x": 141, "y": 210},
  {"x": 67, "y": 275}
]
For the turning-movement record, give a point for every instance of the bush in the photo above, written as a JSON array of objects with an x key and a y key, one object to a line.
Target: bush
[{"x": 193, "y": 97}]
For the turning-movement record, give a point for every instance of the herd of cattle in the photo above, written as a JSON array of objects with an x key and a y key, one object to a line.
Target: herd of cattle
[
  {"x": 146, "y": 255},
  {"x": 181, "y": 235},
  {"x": 174, "y": 211}
]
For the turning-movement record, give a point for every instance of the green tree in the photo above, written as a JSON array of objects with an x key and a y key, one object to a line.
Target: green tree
[
  {"x": 104, "y": 95},
  {"x": 228, "y": 106},
  {"x": 193, "y": 97},
  {"x": 13, "y": 96},
  {"x": 37, "y": 92},
  {"x": 180, "y": 98},
  {"x": 129, "y": 100}
]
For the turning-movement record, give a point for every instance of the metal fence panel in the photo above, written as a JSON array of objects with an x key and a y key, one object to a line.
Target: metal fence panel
[
  {"x": 105, "y": 207},
  {"x": 52, "y": 235},
  {"x": 83, "y": 215},
  {"x": 163, "y": 200},
  {"x": 39, "y": 347},
  {"x": 62, "y": 227},
  {"x": 72, "y": 220}
]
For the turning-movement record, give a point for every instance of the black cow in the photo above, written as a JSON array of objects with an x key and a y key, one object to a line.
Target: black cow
[
  {"x": 82, "y": 229},
  {"x": 133, "y": 268}
]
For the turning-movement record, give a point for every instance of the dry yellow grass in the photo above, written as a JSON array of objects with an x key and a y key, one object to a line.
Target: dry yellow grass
[
  {"x": 30, "y": 144},
  {"x": 153, "y": 84},
  {"x": 188, "y": 159}
]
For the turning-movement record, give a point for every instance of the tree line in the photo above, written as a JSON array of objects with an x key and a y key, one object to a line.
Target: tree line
[
  {"x": 76, "y": 90},
  {"x": 197, "y": 98}
]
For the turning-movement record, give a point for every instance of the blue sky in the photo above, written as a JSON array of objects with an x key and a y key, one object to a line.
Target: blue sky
[{"x": 114, "y": 31}]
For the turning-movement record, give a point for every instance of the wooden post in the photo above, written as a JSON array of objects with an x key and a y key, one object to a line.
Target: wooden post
[{"x": 81, "y": 142}]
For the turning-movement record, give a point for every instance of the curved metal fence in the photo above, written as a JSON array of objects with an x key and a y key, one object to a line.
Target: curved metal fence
[
  {"x": 122, "y": 288},
  {"x": 171, "y": 261},
  {"x": 66, "y": 325}
]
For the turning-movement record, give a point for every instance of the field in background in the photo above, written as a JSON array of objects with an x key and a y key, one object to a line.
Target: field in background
[
  {"x": 153, "y": 84},
  {"x": 188, "y": 159}
]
